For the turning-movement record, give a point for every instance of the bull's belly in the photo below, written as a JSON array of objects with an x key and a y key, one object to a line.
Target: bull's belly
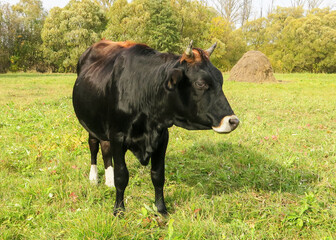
[{"x": 95, "y": 131}]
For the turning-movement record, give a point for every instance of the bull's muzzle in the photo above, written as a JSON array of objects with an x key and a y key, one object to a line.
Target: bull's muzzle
[{"x": 227, "y": 124}]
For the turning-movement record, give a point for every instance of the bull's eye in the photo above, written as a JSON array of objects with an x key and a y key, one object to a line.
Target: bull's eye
[{"x": 200, "y": 84}]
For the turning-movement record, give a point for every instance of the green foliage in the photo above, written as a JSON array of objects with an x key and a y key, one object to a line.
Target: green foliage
[
  {"x": 161, "y": 29},
  {"x": 68, "y": 32},
  {"x": 126, "y": 21},
  {"x": 295, "y": 42},
  {"x": 31, "y": 18},
  {"x": 231, "y": 45},
  {"x": 170, "y": 25},
  {"x": 194, "y": 21},
  {"x": 255, "y": 33},
  {"x": 272, "y": 178},
  {"x": 7, "y": 36},
  {"x": 21, "y": 26},
  {"x": 147, "y": 21},
  {"x": 308, "y": 44},
  {"x": 263, "y": 34}
]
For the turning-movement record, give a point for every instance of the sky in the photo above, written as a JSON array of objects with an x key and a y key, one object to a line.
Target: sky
[{"x": 49, "y": 4}]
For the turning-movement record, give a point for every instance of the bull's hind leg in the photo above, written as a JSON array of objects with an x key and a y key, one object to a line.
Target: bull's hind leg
[
  {"x": 107, "y": 157},
  {"x": 158, "y": 172},
  {"x": 94, "y": 148}
]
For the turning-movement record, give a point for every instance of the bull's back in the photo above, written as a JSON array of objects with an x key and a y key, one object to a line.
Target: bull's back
[{"x": 100, "y": 52}]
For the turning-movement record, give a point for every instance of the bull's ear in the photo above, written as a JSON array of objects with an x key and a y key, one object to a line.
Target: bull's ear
[{"x": 175, "y": 75}]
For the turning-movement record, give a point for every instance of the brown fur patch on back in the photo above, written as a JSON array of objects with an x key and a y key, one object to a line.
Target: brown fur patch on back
[
  {"x": 105, "y": 47},
  {"x": 199, "y": 56},
  {"x": 126, "y": 44}
]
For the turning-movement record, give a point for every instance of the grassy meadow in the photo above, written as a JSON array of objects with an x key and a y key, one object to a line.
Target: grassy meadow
[{"x": 274, "y": 177}]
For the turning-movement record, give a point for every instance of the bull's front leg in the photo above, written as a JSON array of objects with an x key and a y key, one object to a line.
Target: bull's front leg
[
  {"x": 158, "y": 171},
  {"x": 121, "y": 175}
]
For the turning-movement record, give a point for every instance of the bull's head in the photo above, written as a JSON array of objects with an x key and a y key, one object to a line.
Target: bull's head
[{"x": 196, "y": 93}]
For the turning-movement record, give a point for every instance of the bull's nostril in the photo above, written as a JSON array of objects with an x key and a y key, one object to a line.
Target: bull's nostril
[{"x": 234, "y": 122}]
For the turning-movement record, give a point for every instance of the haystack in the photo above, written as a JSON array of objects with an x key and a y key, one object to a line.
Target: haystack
[{"x": 254, "y": 66}]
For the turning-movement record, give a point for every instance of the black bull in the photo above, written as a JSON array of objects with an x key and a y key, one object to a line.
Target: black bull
[{"x": 127, "y": 95}]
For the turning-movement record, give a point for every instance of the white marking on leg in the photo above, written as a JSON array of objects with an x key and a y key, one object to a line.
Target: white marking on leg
[
  {"x": 109, "y": 177},
  {"x": 94, "y": 174}
]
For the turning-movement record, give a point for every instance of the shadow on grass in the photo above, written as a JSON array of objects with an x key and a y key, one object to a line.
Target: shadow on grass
[{"x": 222, "y": 167}]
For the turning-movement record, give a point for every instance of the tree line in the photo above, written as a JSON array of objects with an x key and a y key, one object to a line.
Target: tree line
[{"x": 294, "y": 39}]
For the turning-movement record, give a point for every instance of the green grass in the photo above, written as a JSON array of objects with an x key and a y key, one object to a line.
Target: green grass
[{"x": 272, "y": 178}]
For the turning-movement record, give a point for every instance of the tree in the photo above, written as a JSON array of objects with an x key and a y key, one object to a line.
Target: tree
[
  {"x": 263, "y": 34},
  {"x": 234, "y": 11},
  {"x": 298, "y": 3},
  {"x": 170, "y": 25},
  {"x": 328, "y": 43},
  {"x": 7, "y": 36},
  {"x": 161, "y": 29},
  {"x": 255, "y": 33},
  {"x": 230, "y": 44},
  {"x": 308, "y": 44},
  {"x": 194, "y": 21},
  {"x": 20, "y": 28},
  {"x": 31, "y": 16},
  {"x": 270, "y": 7},
  {"x": 127, "y": 21},
  {"x": 228, "y": 9},
  {"x": 164, "y": 25},
  {"x": 314, "y": 4},
  {"x": 106, "y": 4},
  {"x": 245, "y": 11},
  {"x": 68, "y": 31}
]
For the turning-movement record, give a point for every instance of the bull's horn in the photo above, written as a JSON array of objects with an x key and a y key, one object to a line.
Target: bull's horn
[
  {"x": 211, "y": 49},
  {"x": 188, "y": 51}
]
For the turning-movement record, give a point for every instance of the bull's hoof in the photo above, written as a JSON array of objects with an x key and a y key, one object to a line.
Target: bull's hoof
[
  {"x": 161, "y": 208},
  {"x": 109, "y": 183},
  {"x": 119, "y": 212},
  {"x": 163, "y": 212}
]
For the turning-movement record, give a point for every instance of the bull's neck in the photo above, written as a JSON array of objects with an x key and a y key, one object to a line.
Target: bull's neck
[{"x": 155, "y": 97}]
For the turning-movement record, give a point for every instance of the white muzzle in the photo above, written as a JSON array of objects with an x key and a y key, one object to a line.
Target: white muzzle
[{"x": 227, "y": 124}]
